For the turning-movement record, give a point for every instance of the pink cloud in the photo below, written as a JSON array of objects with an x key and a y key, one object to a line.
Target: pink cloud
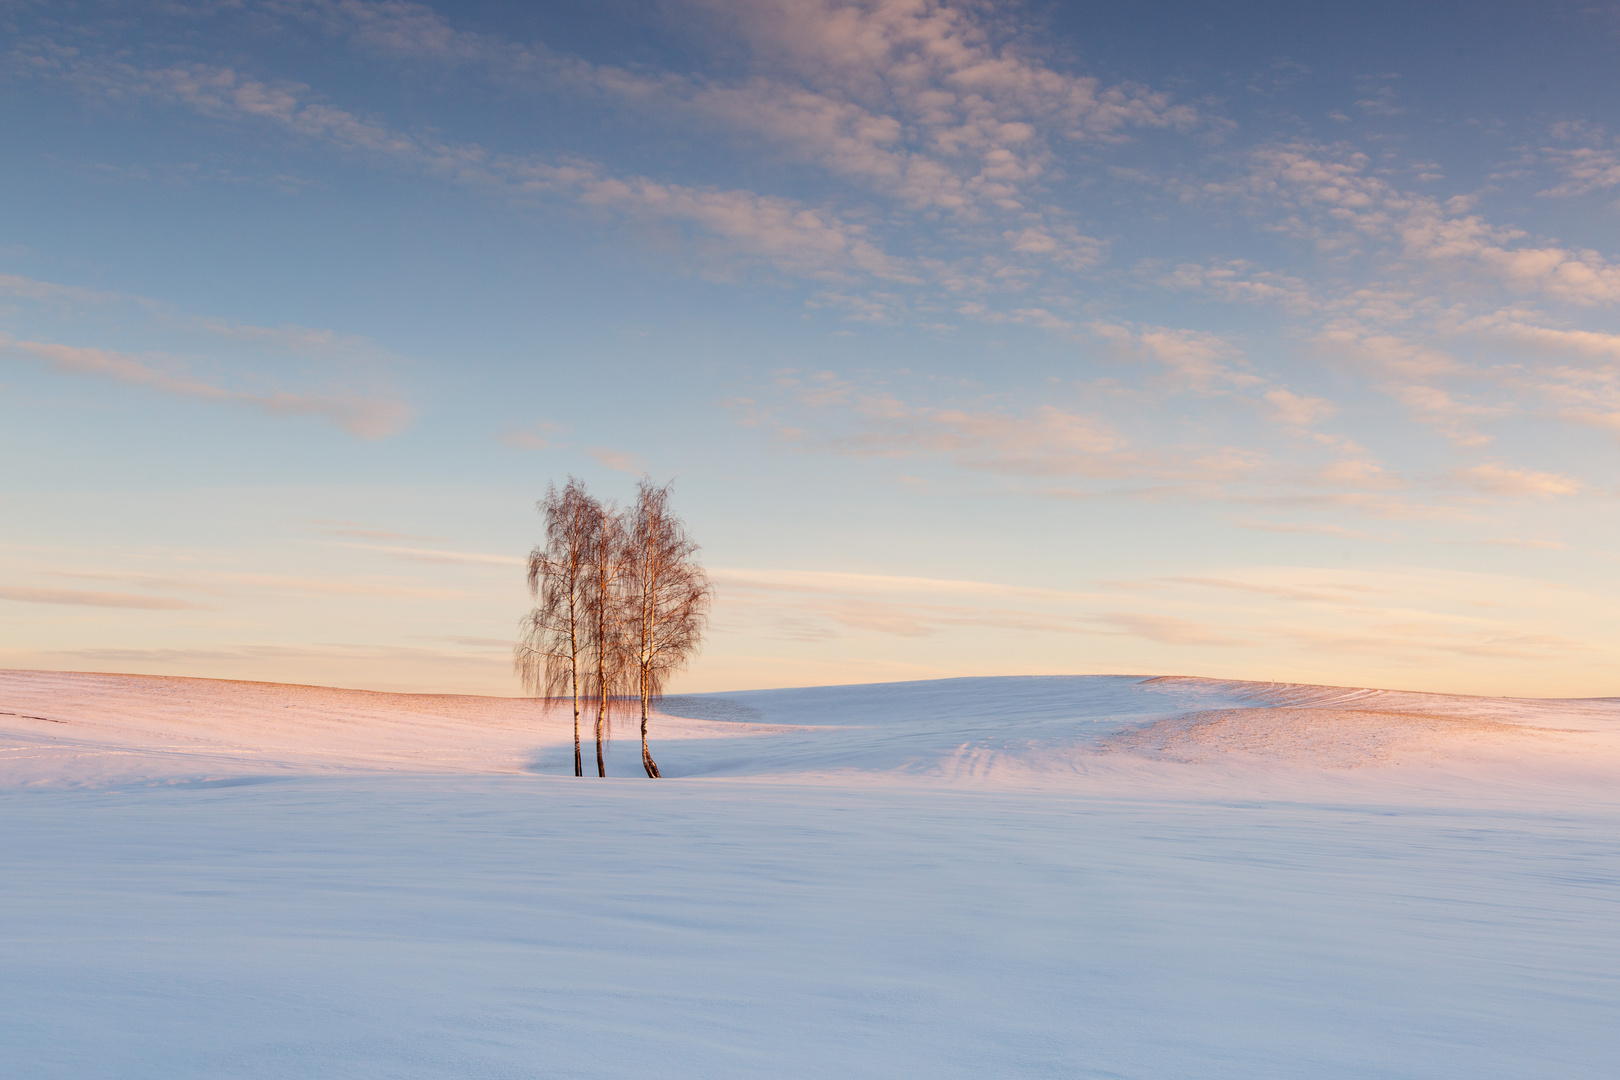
[
  {"x": 618, "y": 460},
  {"x": 1508, "y": 480},
  {"x": 366, "y": 418},
  {"x": 541, "y": 435},
  {"x": 82, "y": 598}
]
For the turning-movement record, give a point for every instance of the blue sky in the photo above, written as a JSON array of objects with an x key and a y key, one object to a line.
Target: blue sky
[{"x": 1264, "y": 341}]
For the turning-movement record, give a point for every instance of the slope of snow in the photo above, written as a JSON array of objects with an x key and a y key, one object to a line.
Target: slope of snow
[
  {"x": 94, "y": 731},
  {"x": 1067, "y": 877}
]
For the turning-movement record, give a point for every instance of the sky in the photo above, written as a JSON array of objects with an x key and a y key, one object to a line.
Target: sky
[{"x": 1263, "y": 341}]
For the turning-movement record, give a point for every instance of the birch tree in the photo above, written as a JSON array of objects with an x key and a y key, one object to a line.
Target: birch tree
[
  {"x": 555, "y": 634},
  {"x": 605, "y": 575},
  {"x": 664, "y": 602}
]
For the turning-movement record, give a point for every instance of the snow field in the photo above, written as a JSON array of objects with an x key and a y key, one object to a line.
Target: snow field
[{"x": 961, "y": 879}]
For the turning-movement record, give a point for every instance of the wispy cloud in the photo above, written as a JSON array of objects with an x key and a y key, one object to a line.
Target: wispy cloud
[
  {"x": 366, "y": 418},
  {"x": 1066, "y": 452},
  {"x": 1309, "y": 529},
  {"x": 1173, "y": 630},
  {"x": 80, "y": 302},
  {"x": 618, "y": 460},
  {"x": 338, "y": 586},
  {"x": 1593, "y": 164},
  {"x": 1192, "y": 360},
  {"x": 915, "y": 103},
  {"x": 1238, "y": 281},
  {"x": 915, "y": 100},
  {"x": 438, "y": 555},
  {"x": 15, "y": 285},
  {"x": 1527, "y": 543},
  {"x": 1508, "y": 480},
  {"x": 218, "y": 344},
  {"x": 783, "y": 233},
  {"x": 364, "y": 532},
  {"x": 1398, "y": 618},
  {"x": 1297, "y": 410},
  {"x": 1586, "y": 169},
  {"x": 1343, "y": 206},
  {"x": 809, "y": 605},
  {"x": 1044, "y": 441},
  {"x": 84, "y": 598},
  {"x": 1378, "y": 94},
  {"x": 540, "y": 435}
]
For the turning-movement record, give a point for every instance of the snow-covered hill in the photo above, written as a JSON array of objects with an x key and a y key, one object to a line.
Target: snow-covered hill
[
  {"x": 92, "y": 731},
  {"x": 1043, "y": 877}
]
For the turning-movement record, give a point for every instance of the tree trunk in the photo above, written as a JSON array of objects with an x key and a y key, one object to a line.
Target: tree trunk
[
  {"x": 579, "y": 764},
  {"x": 601, "y": 701},
  {"x": 579, "y": 767},
  {"x": 601, "y": 762},
  {"x": 646, "y": 759}
]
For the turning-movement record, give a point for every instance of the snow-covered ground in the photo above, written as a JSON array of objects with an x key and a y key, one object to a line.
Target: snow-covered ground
[{"x": 1065, "y": 877}]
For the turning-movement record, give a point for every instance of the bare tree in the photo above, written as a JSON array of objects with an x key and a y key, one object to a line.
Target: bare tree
[
  {"x": 664, "y": 601},
  {"x": 606, "y": 561},
  {"x": 556, "y": 633}
]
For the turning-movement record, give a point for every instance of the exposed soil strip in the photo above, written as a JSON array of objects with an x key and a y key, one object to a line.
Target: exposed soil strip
[{"x": 26, "y": 716}]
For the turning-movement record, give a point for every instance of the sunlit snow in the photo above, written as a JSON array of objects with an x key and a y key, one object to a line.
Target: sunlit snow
[{"x": 1064, "y": 877}]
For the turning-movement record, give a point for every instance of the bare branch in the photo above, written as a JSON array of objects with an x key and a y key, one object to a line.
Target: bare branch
[
  {"x": 665, "y": 601},
  {"x": 555, "y": 634}
]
